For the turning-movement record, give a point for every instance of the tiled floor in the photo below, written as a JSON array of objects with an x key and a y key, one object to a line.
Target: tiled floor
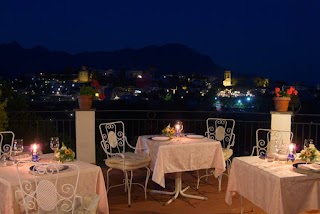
[{"x": 155, "y": 202}]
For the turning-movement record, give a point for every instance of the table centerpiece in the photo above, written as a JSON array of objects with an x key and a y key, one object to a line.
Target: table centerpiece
[
  {"x": 168, "y": 131},
  {"x": 309, "y": 154},
  {"x": 64, "y": 154}
]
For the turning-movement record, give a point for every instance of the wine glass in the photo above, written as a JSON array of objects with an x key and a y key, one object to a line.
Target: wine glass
[
  {"x": 54, "y": 144},
  {"x": 278, "y": 147},
  {"x": 17, "y": 147},
  {"x": 307, "y": 143}
]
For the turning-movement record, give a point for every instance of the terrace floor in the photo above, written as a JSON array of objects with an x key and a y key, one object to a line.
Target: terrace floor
[{"x": 155, "y": 202}]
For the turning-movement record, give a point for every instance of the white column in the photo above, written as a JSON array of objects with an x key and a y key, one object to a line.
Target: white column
[
  {"x": 282, "y": 121},
  {"x": 85, "y": 135}
]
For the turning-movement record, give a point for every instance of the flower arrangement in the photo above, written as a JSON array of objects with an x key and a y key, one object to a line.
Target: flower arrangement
[
  {"x": 168, "y": 131},
  {"x": 64, "y": 154},
  {"x": 92, "y": 90},
  {"x": 309, "y": 154},
  {"x": 285, "y": 93}
]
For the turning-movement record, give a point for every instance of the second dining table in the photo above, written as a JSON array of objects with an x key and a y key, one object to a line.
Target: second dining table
[{"x": 181, "y": 154}]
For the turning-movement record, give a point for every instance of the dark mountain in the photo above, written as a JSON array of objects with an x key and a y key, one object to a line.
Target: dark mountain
[{"x": 164, "y": 59}]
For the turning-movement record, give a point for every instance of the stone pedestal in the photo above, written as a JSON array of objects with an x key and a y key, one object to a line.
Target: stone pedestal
[
  {"x": 85, "y": 136},
  {"x": 282, "y": 121}
]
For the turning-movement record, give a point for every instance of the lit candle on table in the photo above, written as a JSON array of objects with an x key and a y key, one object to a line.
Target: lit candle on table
[
  {"x": 177, "y": 127},
  {"x": 291, "y": 153},
  {"x": 291, "y": 148},
  {"x": 34, "y": 148},
  {"x": 35, "y": 157}
]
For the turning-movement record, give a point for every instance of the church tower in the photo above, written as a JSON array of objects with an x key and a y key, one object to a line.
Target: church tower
[
  {"x": 227, "y": 78},
  {"x": 83, "y": 74}
]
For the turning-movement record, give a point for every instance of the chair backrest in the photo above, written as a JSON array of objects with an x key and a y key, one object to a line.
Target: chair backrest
[
  {"x": 6, "y": 143},
  {"x": 47, "y": 190},
  {"x": 221, "y": 129},
  {"x": 113, "y": 138},
  {"x": 266, "y": 137}
]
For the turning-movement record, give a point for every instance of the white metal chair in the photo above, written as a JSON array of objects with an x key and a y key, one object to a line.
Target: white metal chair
[
  {"x": 114, "y": 143},
  {"x": 6, "y": 143},
  {"x": 220, "y": 129},
  {"x": 266, "y": 137},
  {"x": 48, "y": 191}
]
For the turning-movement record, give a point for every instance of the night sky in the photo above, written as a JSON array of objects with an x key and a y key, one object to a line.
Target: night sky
[{"x": 274, "y": 38}]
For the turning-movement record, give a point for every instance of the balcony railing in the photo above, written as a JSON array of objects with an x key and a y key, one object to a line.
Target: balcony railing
[{"x": 40, "y": 126}]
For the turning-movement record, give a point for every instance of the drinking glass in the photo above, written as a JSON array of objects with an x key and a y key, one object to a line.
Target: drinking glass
[
  {"x": 54, "y": 144},
  {"x": 17, "y": 146},
  {"x": 279, "y": 147},
  {"x": 307, "y": 143}
]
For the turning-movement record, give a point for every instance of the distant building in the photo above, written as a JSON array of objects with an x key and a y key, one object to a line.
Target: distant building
[
  {"x": 227, "y": 78},
  {"x": 83, "y": 75}
]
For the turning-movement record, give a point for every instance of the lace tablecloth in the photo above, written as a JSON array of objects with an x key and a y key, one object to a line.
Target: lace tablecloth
[
  {"x": 181, "y": 154},
  {"x": 91, "y": 180},
  {"x": 273, "y": 186}
]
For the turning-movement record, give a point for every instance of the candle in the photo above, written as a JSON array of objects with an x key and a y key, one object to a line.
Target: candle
[
  {"x": 35, "y": 157},
  {"x": 291, "y": 148},
  {"x": 291, "y": 155},
  {"x": 34, "y": 148}
]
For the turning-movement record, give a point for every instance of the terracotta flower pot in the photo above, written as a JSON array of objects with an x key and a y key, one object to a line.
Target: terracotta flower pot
[
  {"x": 281, "y": 104},
  {"x": 85, "y": 102}
]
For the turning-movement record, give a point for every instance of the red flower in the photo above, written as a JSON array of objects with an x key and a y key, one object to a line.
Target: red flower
[
  {"x": 102, "y": 96},
  {"x": 96, "y": 85},
  {"x": 287, "y": 93}
]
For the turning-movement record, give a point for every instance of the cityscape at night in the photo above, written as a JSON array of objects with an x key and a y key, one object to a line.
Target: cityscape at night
[{"x": 154, "y": 107}]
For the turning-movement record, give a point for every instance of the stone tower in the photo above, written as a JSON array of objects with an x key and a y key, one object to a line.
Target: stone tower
[{"x": 227, "y": 78}]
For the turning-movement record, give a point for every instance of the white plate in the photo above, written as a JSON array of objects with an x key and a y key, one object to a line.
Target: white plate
[
  {"x": 45, "y": 168},
  {"x": 160, "y": 138},
  {"x": 194, "y": 136}
]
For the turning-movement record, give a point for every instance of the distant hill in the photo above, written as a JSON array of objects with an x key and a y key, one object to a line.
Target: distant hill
[{"x": 16, "y": 60}]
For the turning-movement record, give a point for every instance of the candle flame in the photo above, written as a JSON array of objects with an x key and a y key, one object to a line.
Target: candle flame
[{"x": 34, "y": 147}]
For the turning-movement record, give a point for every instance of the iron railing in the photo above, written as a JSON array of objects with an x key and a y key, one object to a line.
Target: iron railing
[{"x": 40, "y": 126}]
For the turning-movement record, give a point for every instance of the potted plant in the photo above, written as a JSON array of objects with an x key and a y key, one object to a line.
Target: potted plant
[
  {"x": 283, "y": 97},
  {"x": 87, "y": 93}
]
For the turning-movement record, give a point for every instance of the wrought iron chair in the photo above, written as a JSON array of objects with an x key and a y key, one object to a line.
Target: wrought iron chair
[
  {"x": 114, "y": 143},
  {"x": 220, "y": 129},
  {"x": 49, "y": 192},
  {"x": 6, "y": 143},
  {"x": 265, "y": 139}
]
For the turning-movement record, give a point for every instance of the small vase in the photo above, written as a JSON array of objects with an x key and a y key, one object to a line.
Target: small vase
[{"x": 281, "y": 104}]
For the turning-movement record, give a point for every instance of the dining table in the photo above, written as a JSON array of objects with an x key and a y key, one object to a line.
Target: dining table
[
  {"x": 180, "y": 154},
  {"x": 277, "y": 187},
  {"x": 91, "y": 181}
]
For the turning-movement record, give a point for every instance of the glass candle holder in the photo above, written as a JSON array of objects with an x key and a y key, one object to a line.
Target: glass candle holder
[
  {"x": 35, "y": 156},
  {"x": 178, "y": 128}
]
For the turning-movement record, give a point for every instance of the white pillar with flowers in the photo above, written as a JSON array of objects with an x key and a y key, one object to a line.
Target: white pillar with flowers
[{"x": 281, "y": 119}]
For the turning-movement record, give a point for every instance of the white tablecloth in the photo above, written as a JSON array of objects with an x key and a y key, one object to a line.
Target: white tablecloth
[
  {"x": 91, "y": 180},
  {"x": 272, "y": 186},
  {"x": 182, "y": 154}
]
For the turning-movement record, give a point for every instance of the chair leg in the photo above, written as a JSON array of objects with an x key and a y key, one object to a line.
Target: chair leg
[
  {"x": 241, "y": 203},
  {"x": 228, "y": 165},
  {"x": 108, "y": 179},
  {"x": 128, "y": 182},
  {"x": 207, "y": 173},
  {"x": 220, "y": 179},
  {"x": 198, "y": 180},
  {"x": 146, "y": 183},
  {"x": 125, "y": 181}
]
